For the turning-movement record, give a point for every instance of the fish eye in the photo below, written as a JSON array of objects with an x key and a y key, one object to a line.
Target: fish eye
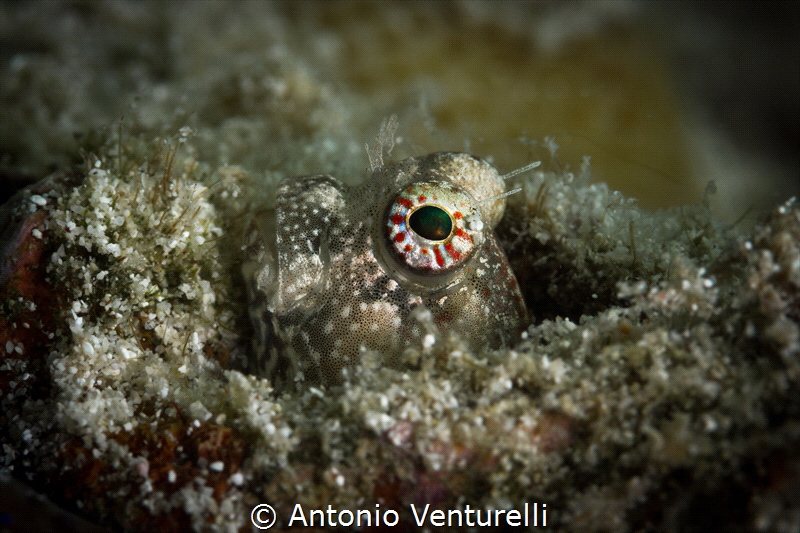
[
  {"x": 431, "y": 228},
  {"x": 431, "y": 222}
]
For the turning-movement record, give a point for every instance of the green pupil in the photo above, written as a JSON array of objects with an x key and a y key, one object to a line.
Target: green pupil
[{"x": 431, "y": 222}]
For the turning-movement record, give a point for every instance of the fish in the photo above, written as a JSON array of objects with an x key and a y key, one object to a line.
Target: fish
[{"x": 337, "y": 269}]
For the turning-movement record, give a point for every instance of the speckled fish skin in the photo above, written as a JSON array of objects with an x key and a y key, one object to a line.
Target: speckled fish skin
[{"x": 327, "y": 282}]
